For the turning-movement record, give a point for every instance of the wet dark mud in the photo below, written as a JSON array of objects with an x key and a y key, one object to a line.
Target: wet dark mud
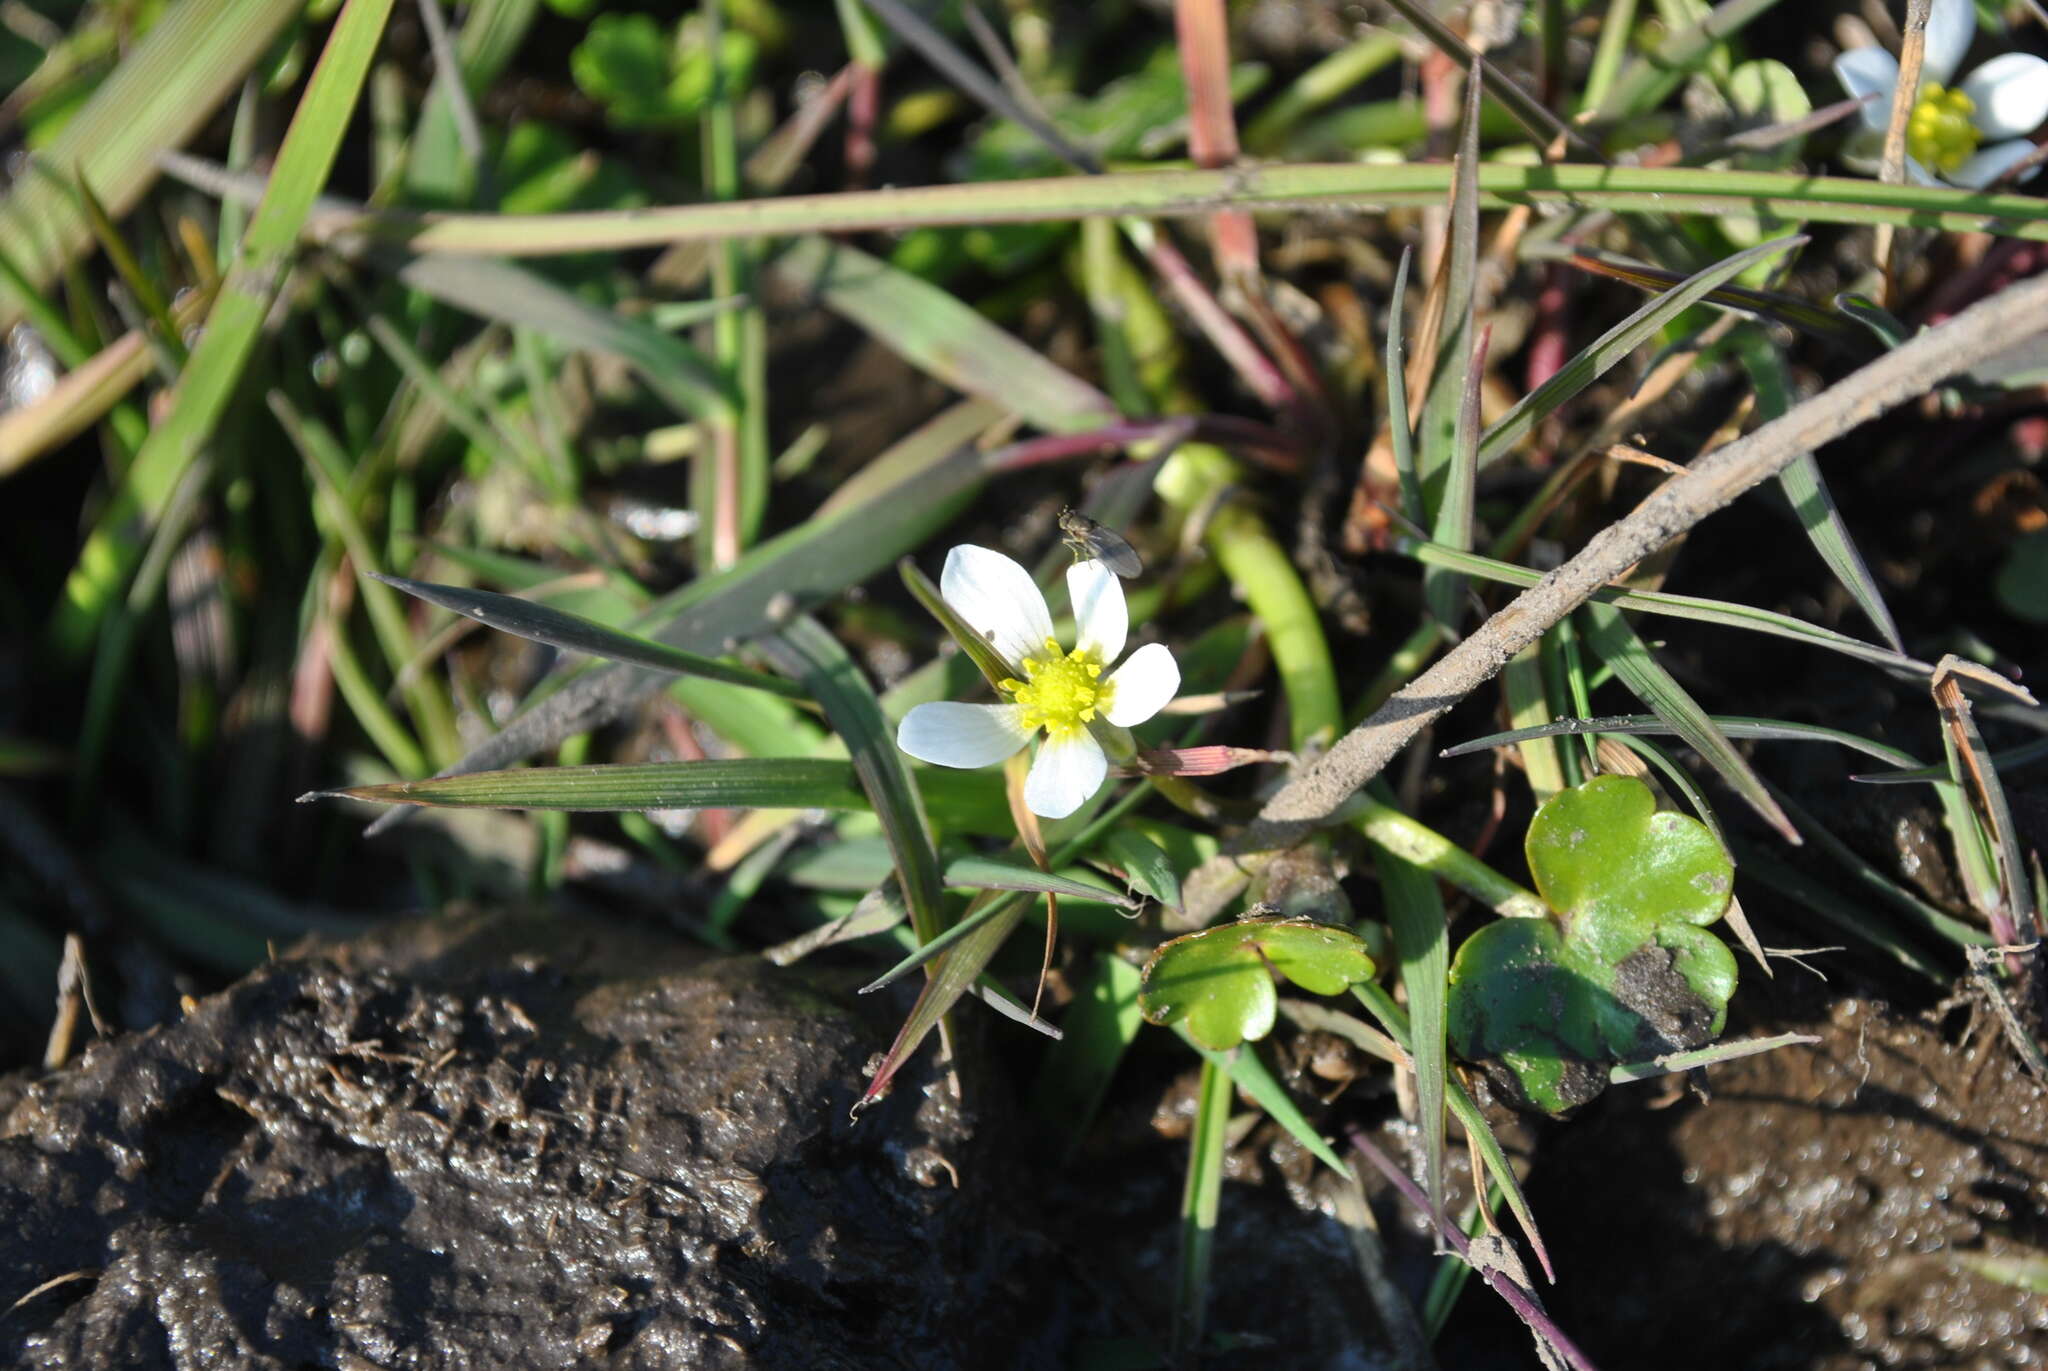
[
  {"x": 488, "y": 1144},
  {"x": 1819, "y": 1212}
]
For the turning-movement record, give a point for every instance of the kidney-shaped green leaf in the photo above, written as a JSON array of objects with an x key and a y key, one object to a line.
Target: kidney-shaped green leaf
[
  {"x": 1625, "y": 968},
  {"x": 1220, "y": 981}
]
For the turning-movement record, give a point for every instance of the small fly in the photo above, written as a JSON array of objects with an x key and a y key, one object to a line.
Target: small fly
[{"x": 1090, "y": 541}]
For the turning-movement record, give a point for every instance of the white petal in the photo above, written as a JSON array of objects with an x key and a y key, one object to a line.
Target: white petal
[
  {"x": 1143, "y": 685},
  {"x": 998, "y": 597},
  {"x": 2010, "y": 93},
  {"x": 1921, "y": 176},
  {"x": 1100, "y": 618},
  {"x": 950, "y": 734},
  {"x": 1951, "y": 24},
  {"x": 1870, "y": 72},
  {"x": 1064, "y": 774},
  {"x": 1990, "y": 163}
]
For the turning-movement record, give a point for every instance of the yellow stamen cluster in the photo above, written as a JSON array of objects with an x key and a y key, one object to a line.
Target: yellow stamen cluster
[
  {"x": 1061, "y": 691},
  {"x": 1939, "y": 133}
]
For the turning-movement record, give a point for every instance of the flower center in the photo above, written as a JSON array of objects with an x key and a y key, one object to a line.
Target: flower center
[
  {"x": 1061, "y": 691},
  {"x": 1939, "y": 133}
]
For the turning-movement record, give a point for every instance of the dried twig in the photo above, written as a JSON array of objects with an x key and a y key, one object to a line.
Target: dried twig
[{"x": 1912, "y": 51}]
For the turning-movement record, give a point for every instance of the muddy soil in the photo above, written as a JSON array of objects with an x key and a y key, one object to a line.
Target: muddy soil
[
  {"x": 474, "y": 1144},
  {"x": 1819, "y": 1212}
]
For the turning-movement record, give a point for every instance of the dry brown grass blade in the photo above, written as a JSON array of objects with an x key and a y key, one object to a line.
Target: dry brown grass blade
[
  {"x": 1912, "y": 52},
  {"x": 1316, "y": 793},
  {"x": 1203, "y": 28}
]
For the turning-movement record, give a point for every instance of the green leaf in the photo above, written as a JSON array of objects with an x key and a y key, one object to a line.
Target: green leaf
[
  {"x": 1220, "y": 980},
  {"x": 1626, "y": 970},
  {"x": 1258, "y": 1081},
  {"x": 939, "y": 335},
  {"x": 1807, "y": 490},
  {"x": 1144, "y": 864},
  {"x": 756, "y": 782},
  {"x": 1608, "y": 633}
]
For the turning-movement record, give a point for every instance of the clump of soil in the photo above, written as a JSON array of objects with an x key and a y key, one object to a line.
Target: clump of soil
[
  {"x": 1812, "y": 1214},
  {"x": 472, "y": 1143}
]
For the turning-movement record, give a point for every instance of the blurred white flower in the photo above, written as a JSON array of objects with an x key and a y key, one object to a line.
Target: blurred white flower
[
  {"x": 1968, "y": 134},
  {"x": 1058, "y": 692}
]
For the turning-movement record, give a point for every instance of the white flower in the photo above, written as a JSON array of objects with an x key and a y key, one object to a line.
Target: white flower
[
  {"x": 1053, "y": 690},
  {"x": 2003, "y": 100}
]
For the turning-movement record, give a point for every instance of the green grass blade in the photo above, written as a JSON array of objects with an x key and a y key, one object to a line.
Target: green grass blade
[
  {"x": 1625, "y": 1073},
  {"x": 972, "y": 640},
  {"x": 1000, "y": 873},
  {"x": 1601, "y": 356},
  {"x": 1807, "y": 491},
  {"x": 574, "y": 633},
  {"x": 1456, "y": 288},
  {"x": 1723, "y": 612},
  {"x": 1200, "y": 1198},
  {"x": 1415, "y": 908},
  {"x": 936, "y": 333},
  {"x": 1608, "y": 633},
  {"x": 952, "y": 975},
  {"x": 1394, "y": 1020},
  {"x": 1253, "y": 1077},
  {"x": 1734, "y": 725},
  {"x": 163, "y": 91},
  {"x": 806, "y": 651},
  {"x": 210, "y": 379},
  {"x": 666, "y": 365},
  {"x": 1850, "y": 914},
  {"x": 744, "y": 782},
  {"x": 437, "y": 171}
]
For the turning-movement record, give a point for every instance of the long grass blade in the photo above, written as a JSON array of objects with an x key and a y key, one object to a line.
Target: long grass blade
[
  {"x": 936, "y": 333},
  {"x": 1808, "y": 491},
  {"x": 1415, "y": 908},
  {"x": 1601, "y": 356},
  {"x": 1394, "y": 1019},
  {"x": 1200, "y": 1197},
  {"x": 1347, "y": 187},
  {"x": 1723, "y": 612},
  {"x": 573, "y": 633},
  {"x": 210, "y": 379},
  {"x": 806, "y": 651},
  {"x": 1099, "y": 1027},
  {"x": 726, "y": 783},
  {"x": 1608, "y": 633},
  {"x": 668, "y": 366}
]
